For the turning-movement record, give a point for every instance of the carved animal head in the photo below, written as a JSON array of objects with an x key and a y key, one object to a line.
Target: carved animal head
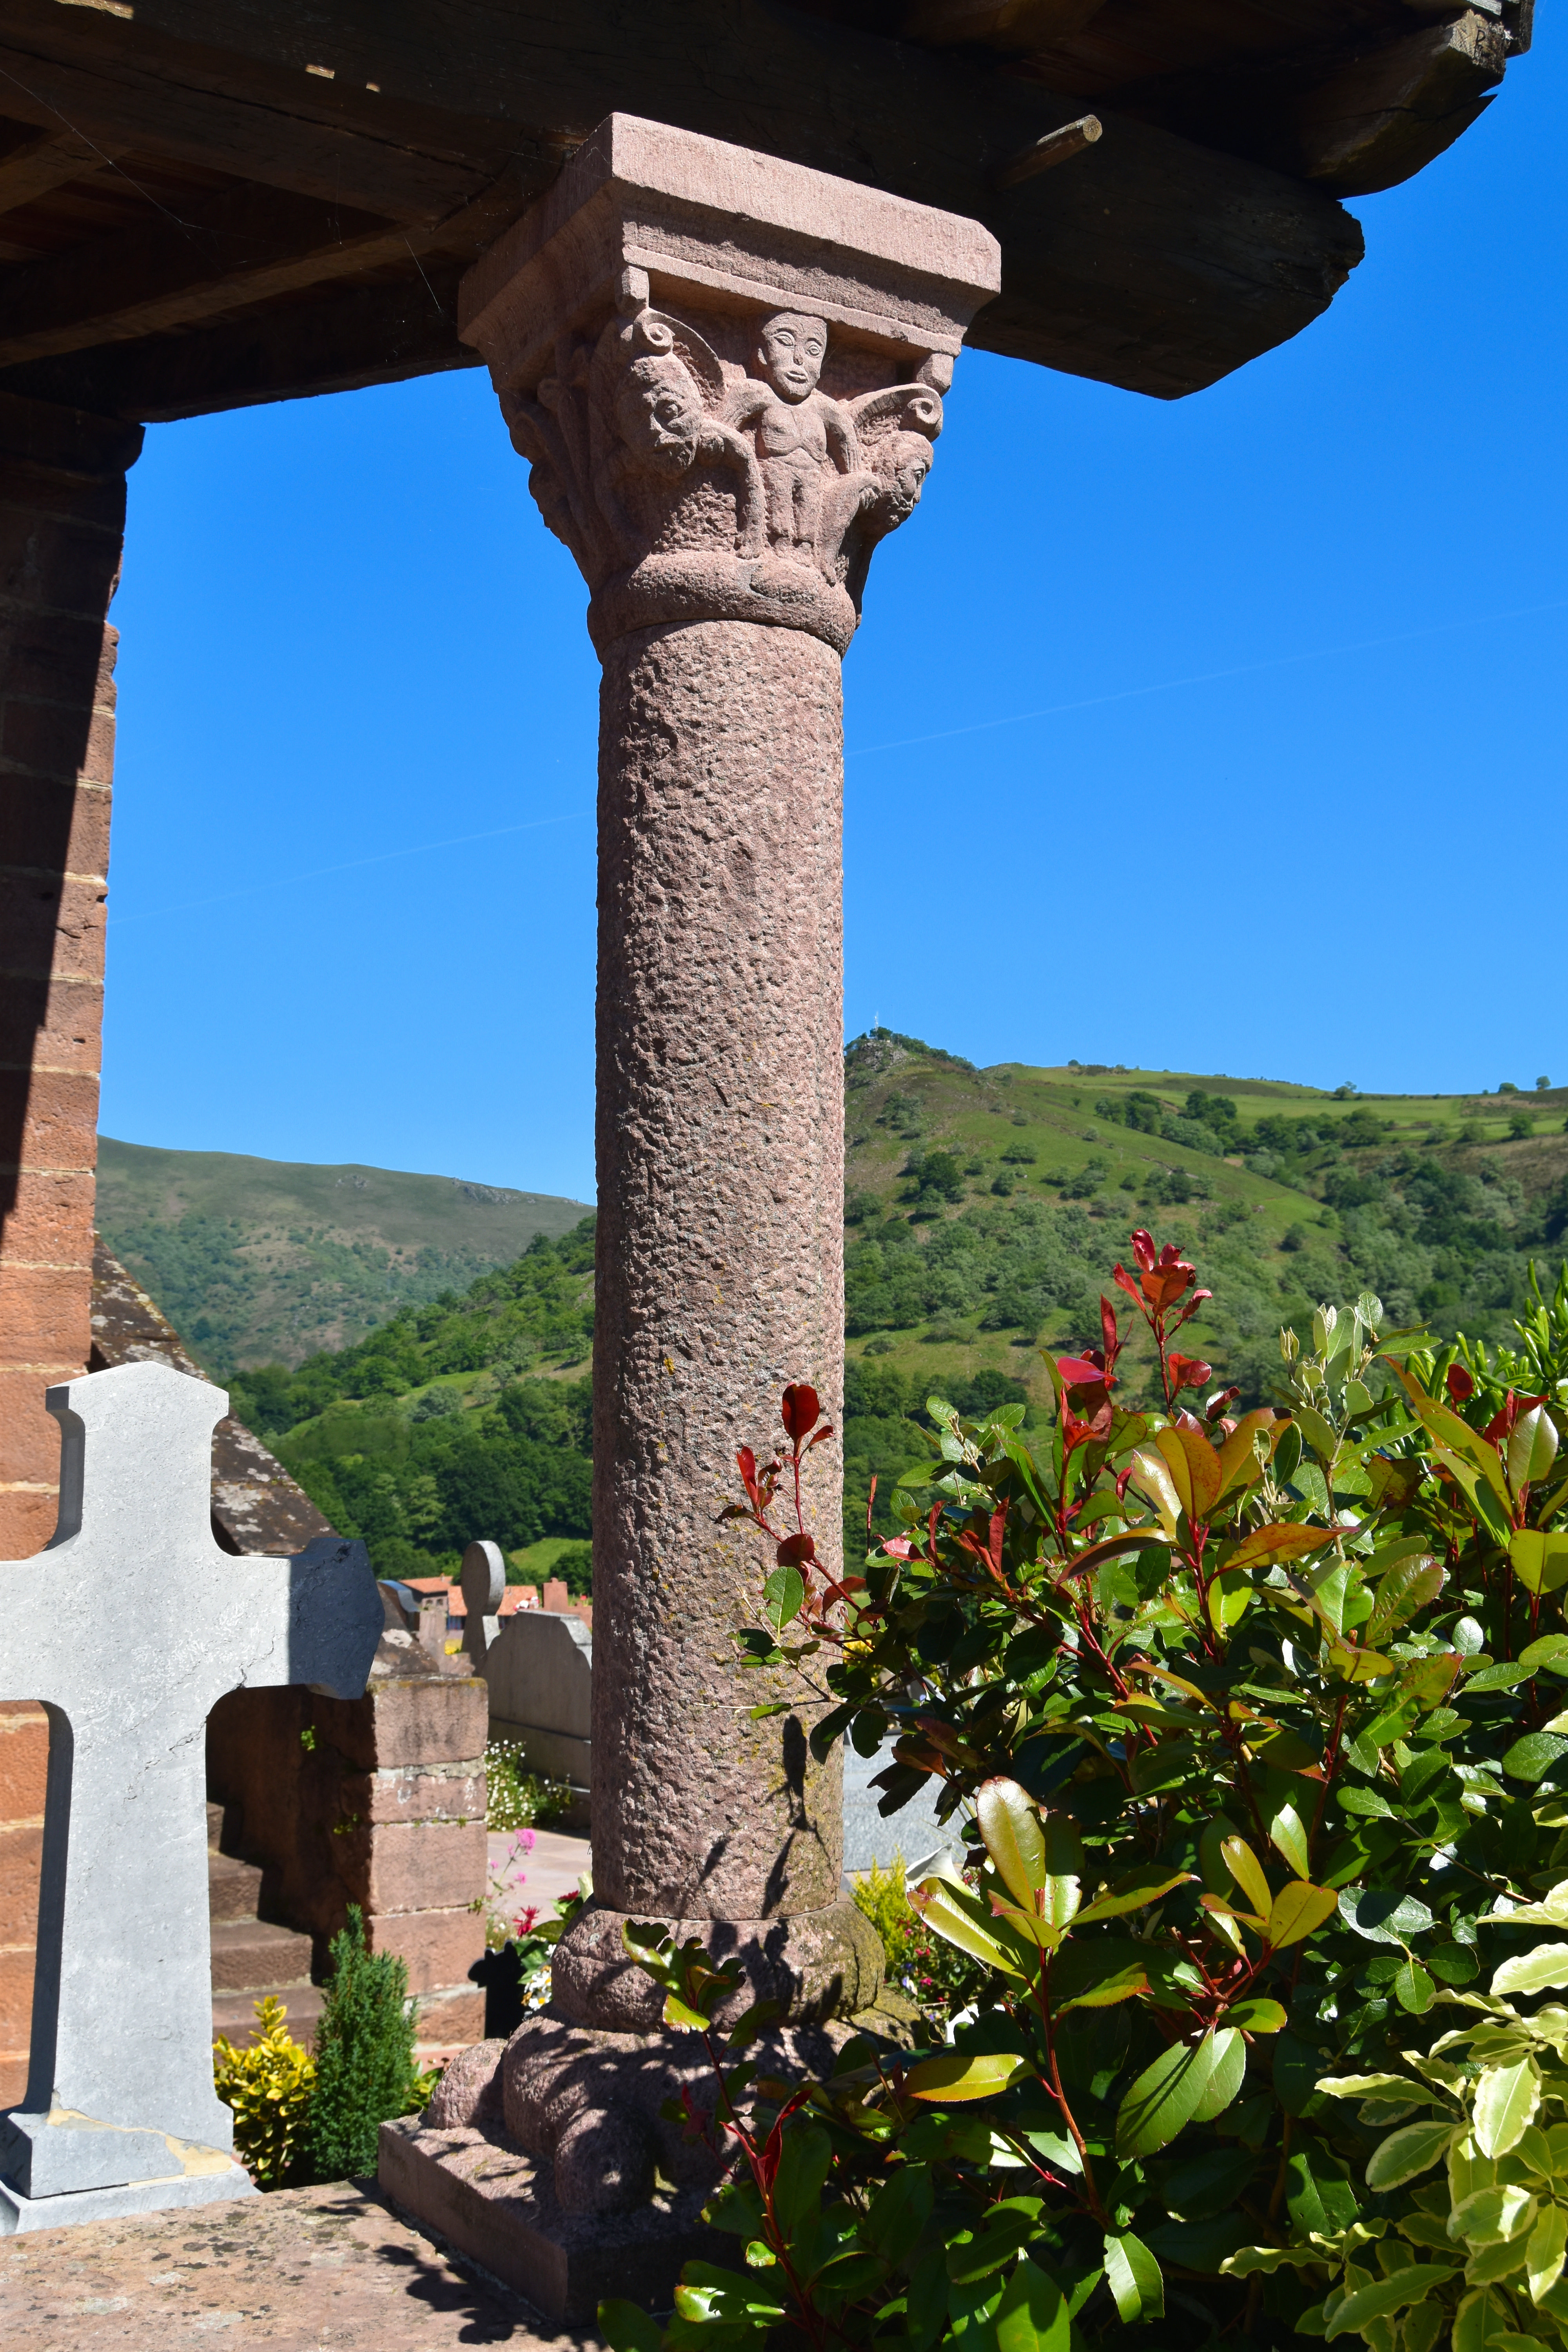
[
  {"x": 659, "y": 415},
  {"x": 791, "y": 347}
]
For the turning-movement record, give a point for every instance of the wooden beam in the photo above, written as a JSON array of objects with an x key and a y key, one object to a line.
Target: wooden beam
[
  {"x": 238, "y": 246},
  {"x": 1384, "y": 115},
  {"x": 1161, "y": 268},
  {"x": 335, "y": 340},
  {"x": 38, "y": 161},
  {"x": 1013, "y": 26}
]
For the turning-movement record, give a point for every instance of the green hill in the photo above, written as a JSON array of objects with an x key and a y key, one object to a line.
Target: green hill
[
  {"x": 264, "y": 1261},
  {"x": 984, "y": 1209}
]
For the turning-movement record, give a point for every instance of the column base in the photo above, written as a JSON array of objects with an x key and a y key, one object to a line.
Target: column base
[
  {"x": 477, "y": 2189},
  {"x": 816, "y": 1964},
  {"x": 551, "y": 2160},
  {"x": 19, "y": 2213}
]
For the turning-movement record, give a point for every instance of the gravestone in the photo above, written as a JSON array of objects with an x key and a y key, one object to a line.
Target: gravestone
[{"x": 127, "y": 1628}]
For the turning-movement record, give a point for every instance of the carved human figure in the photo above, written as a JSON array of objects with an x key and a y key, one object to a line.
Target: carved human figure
[{"x": 806, "y": 443}]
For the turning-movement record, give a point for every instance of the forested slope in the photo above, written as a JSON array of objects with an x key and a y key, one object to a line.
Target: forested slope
[{"x": 984, "y": 1210}]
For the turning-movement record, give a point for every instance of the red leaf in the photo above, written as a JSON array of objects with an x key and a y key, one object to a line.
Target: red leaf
[
  {"x": 746, "y": 1463},
  {"x": 899, "y": 1548},
  {"x": 1460, "y": 1384},
  {"x": 1215, "y": 1409},
  {"x": 1143, "y": 1248},
  {"x": 822, "y": 1436},
  {"x": 1078, "y": 1371},
  {"x": 802, "y": 1411},
  {"x": 1188, "y": 1371},
  {"x": 1108, "y": 1334},
  {"x": 1119, "y": 1276},
  {"x": 795, "y": 1550}
]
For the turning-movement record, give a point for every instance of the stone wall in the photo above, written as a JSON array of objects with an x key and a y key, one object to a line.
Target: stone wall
[{"x": 378, "y": 1801}]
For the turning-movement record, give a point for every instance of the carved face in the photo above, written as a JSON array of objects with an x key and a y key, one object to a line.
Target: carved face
[
  {"x": 903, "y": 464},
  {"x": 659, "y": 416},
  {"x": 791, "y": 352}
]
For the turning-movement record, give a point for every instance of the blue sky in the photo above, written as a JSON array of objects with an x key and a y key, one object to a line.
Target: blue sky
[{"x": 1225, "y": 734}]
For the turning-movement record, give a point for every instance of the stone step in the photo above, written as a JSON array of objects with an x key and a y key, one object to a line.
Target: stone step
[
  {"x": 234, "y": 2013},
  {"x": 253, "y": 1956},
  {"x": 234, "y": 1888}
]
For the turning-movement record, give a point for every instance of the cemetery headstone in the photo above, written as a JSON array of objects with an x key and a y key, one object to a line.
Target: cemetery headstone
[{"x": 119, "y": 2115}]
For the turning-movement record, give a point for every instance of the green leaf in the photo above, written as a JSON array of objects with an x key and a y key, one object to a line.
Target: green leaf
[
  {"x": 804, "y": 2163},
  {"x": 1405, "y": 1587},
  {"x": 1503, "y": 1677},
  {"x": 998, "y": 2239},
  {"x": 1224, "y": 2081},
  {"x": 1014, "y": 1838},
  {"x": 1163, "y": 2098},
  {"x": 941, "y": 1905},
  {"x": 898, "y": 2212},
  {"x": 1531, "y": 1448},
  {"x": 784, "y": 1597},
  {"x": 1287, "y": 1833},
  {"x": 1413, "y": 1989},
  {"x": 1247, "y": 1871},
  {"x": 1506, "y": 2101},
  {"x": 1540, "y": 1563},
  {"x": 1482, "y": 2320},
  {"x": 626, "y": 2327},
  {"x": 1033, "y": 2315},
  {"x": 1296, "y": 1912},
  {"x": 1148, "y": 1883},
  {"x": 1412, "y": 2284},
  {"x": 1133, "y": 2277},
  {"x": 1544, "y": 2253},
  {"x": 1550, "y": 1651},
  {"x": 1490, "y": 2217},
  {"x": 1366, "y": 1802},
  {"x": 1532, "y": 1971},
  {"x": 1256, "y": 2016},
  {"x": 1405, "y": 2155},
  {"x": 1532, "y": 1757},
  {"x": 1382, "y": 1915},
  {"x": 1125, "y": 1985},
  {"x": 954, "y": 2078}
]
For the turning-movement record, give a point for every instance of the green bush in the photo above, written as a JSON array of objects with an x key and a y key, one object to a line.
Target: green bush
[
  {"x": 269, "y": 2085},
  {"x": 1255, "y": 1727},
  {"x": 518, "y": 1798},
  {"x": 365, "y": 2070}
]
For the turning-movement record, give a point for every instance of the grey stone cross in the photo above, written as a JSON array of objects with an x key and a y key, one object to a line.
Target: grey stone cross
[{"x": 127, "y": 1628}]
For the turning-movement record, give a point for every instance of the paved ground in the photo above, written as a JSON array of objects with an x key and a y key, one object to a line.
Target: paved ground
[
  {"x": 543, "y": 1875},
  {"x": 304, "y": 2270}
]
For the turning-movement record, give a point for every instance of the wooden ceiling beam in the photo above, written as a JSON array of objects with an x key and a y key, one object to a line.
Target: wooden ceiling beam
[
  {"x": 241, "y": 246},
  {"x": 1154, "y": 263},
  {"x": 336, "y": 341},
  {"x": 38, "y": 160}
]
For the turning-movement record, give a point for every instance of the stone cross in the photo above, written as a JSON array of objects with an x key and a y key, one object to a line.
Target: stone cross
[
  {"x": 727, "y": 374},
  {"x": 129, "y": 1627}
]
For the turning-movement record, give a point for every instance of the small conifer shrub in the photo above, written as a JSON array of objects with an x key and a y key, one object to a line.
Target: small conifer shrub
[{"x": 365, "y": 2070}]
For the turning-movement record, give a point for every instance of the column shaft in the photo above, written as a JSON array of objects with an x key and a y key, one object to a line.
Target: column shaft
[
  {"x": 62, "y": 519},
  {"x": 720, "y": 1169}
]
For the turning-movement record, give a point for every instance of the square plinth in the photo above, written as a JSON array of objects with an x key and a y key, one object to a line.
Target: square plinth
[
  {"x": 485, "y": 2196},
  {"x": 729, "y": 229}
]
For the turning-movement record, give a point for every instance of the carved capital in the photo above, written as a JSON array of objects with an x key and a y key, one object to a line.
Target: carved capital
[{"x": 726, "y": 372}]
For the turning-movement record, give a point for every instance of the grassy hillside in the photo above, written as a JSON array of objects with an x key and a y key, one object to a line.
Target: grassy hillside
[
  {"x": 984, "y": 1209},
  {"x": 262, "y": 1261}
]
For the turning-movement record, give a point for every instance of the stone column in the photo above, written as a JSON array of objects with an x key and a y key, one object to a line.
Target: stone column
[
  {"x": 727, "y": 372},
  {"x": 62, "y": 518}
]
